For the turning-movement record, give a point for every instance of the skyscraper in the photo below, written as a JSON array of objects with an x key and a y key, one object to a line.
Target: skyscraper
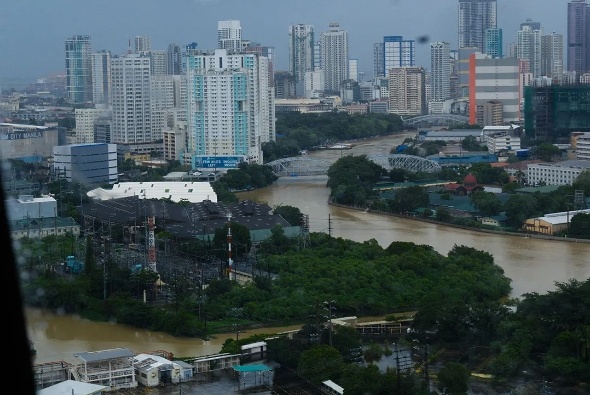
[
  {"x": 131, "y": 99},
  {"x": 475, "y": 17},
  {"x": 101, "y": 77},
  {"x": 78, "y": 69},
  {"x": 174, "y": 59},
  {"x": 440, "y": 70},
  {"x": 334, "y": 47},
  {"x": 229, "y": 35},
  {"x": 231, "y": 108},
  {"x": 552, "y": 55},
  {"x": 301, "y": 51},
  {"x": 398, "y": 52},
  {"x": 578, "y": 36},
  {"x": 493, "y": 42},
  {"x": 528, "y": 46},
  {"x": 407, "y": 91}
]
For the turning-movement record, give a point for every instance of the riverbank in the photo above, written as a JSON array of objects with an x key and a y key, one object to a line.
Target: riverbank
[{"x": 491, "y": 231}]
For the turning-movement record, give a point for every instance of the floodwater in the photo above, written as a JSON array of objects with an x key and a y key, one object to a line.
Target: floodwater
[{"x": 534, "y": 265}]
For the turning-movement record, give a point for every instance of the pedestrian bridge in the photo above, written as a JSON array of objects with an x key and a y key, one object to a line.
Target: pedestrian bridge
[{"x": 308, "y": 166}]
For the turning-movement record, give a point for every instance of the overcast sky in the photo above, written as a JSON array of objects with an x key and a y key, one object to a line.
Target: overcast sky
[{"x": 32, "y": 32}]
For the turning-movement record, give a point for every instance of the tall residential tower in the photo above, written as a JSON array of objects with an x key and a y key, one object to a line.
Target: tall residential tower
[
  {"x": 578, "y": 36},
  {"x": 334, "y": 47},
  {"x": 475, "y": 17},
  {"x": 301, "y": 51}
]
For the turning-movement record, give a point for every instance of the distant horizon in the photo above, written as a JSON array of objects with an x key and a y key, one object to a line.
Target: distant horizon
[{"x": 111, "y": 28}]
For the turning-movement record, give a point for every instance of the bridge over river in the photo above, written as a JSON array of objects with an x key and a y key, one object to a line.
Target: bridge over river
[{"x": 311, "y": 166}]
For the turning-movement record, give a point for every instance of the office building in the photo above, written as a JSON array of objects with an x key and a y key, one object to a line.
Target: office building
[
  {"x": 301, "y": 51},
  {"x": 378, "y": 60},
  {"x": 407, "y": 94},
  {"x": 497, "y": 80},
  {"x": 231, "y": 108},
  {"x": 578, "y": 36},
  {"x": 78, "y": 69},
  {"x": 475, "y": 17},
  {"x": 158, "y": 62},
  {"x": 142, "y": 44},
  {"x": 131, "y": 103},
  {"x": 86, "y": 163},
  {"x": 440, "y": 70},
  {"x": 543, "y": 120},
  {"x": 334, "y": 47},
  {"x": 493, "y": 42},
  {"x": 229, "y": 35},
  {"x": 29, "y": 143},
  {"x": 528, "y": 46},
  {"x": 101, "y": 78},
  {"x": 552, "y": 55}
]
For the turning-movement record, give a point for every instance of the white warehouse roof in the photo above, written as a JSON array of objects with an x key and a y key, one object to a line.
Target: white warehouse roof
[
  {"x": 562, "y": 217},
  {"x": 70, "y": 387},
  {"x": 192, "y": 191}
]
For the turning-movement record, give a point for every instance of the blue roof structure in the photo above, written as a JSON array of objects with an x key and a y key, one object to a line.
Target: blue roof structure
[{"x": 252, "y": 368}]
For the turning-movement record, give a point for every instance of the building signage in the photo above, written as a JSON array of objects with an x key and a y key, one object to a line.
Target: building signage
[
  {"x": 21, "y": 135},
  {"x": 217, "y": 162}
]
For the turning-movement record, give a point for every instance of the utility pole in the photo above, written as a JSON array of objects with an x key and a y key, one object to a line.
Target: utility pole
[
  {"x": 229, "y": 239},
  {"x": 398, "y": 382},
  {"x": 329, "y": 225}
]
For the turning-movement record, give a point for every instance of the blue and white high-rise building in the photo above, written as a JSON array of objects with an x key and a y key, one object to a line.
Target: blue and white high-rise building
[
  {"x": 230, "y": 108},
  {"x": 393, "y": 52},
  {"x": 78, "y": 69}
]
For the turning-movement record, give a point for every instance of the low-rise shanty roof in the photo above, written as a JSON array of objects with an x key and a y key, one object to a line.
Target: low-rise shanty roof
[{"x": 103, "y": 355}]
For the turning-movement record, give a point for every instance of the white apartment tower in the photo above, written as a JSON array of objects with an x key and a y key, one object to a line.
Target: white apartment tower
[
  {"x": 407, "y": 94},
  {"x": 101, "y": 78},
  {"x": 85, "y": 120},
  {"x": 528, "y": 47},
  {"x": 440, "y": 70},
  {"x": 230, "y": 107},
  {"x": 301, "y": 51},
  {"x": 131, "y": 102},
  {"x": 552, "y": 55},
  {"x": 229, "y": 35},
  {"x": 334, "y": 47}
]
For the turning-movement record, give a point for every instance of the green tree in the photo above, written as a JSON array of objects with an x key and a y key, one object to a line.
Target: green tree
[
  {"x": 546, "y": 151},
  {"x": 291, "y": 214},
  {"x": 580, "y": 226},
  {"x": 487, "y": 202},
  {"x": 519, "y": 207},
  {"x": 320, "y": 363},
  {"x": 453, "y": 378},
  {"x": 443, "y": 214}
]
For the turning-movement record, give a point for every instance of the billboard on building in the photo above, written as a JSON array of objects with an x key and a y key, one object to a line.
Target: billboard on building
[{"x": 216, "y": 162}]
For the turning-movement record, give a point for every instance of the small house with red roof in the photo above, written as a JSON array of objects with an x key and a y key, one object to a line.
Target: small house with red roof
[{"x": 469, "y": 186}]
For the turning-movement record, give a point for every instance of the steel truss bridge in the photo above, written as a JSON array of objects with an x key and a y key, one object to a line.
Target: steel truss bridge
[
  {"x": 306, "y": 166},
  {"x": 436, "y": 119}
]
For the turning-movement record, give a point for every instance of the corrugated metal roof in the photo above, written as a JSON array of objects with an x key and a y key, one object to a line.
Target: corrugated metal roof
[
  {"x": 72, "y": 387},
  {"x": 95, "y": 356}
]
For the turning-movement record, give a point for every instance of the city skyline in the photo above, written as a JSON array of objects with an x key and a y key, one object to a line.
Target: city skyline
[{"x": 111, "y": 28}]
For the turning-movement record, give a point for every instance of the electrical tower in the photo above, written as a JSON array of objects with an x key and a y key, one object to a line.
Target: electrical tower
[
  {"x": 305, "y": 240},
  {"x": 151, "y": 244}
]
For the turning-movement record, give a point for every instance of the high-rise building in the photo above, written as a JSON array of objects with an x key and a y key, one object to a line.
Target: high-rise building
[
  {"x": 493, "y": 42},
  {"x": 142, "y": 44},
  {"x": 440, "y": 70},
  {"x": 267, "y": 52},
  {"x": 301, "y": 51},
  {"x": 494, "y": 80},
  {"x": 101, "y": 78},
  {"x": 334, "y": 44},
  {"x": 174, "y": 59},
  {"x": 378, "y": 60},
  {"x": 85, "y": 119},
  {"x": 528, "y": 46},
  {"x": 166, "y": 94},
  {"x": 78, "y": 69},
  {"x": 398, "y": 52},
  {"x": 158, "y": 62},
  {"x": 407, "y": 93},
  {"x": 231, "y": 108},
  {"x": 543, "y": 122},
  {"x": 229, "y": 35},
  {"x": 475, "y": 17},
  {"x": 552, "y": 55},
  {"x": 353, "y": 69},
  {"x": 578, "y": 36},
  {"x": 131, "y": 103}
]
